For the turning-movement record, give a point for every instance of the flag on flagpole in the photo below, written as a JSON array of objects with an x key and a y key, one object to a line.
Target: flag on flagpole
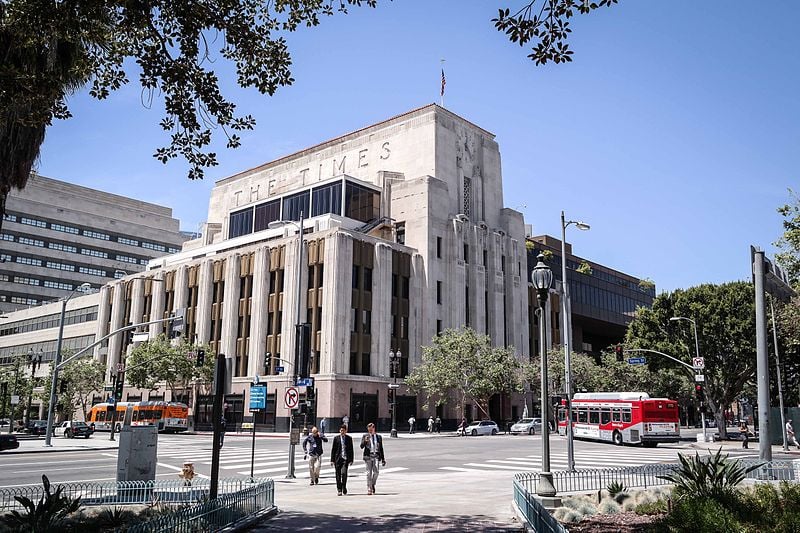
[{"x": 444, "y": 82}]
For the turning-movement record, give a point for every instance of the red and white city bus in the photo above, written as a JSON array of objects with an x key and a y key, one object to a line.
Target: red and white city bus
[{"x": 622, "y": 418}]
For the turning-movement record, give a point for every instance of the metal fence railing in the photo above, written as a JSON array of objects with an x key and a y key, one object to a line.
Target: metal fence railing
[
  {"x": 168, "y": 492},
  {"x": 535, "y": 515},
  {"x": 646, "y": 476},
  {"x": 214, "y": 515}
]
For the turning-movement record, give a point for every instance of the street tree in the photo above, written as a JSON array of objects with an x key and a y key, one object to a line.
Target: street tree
[
  {"x": 78, "y": 382},
  {"x": 51, "y": 50},
  {"x": 725, "y": 319},
  {"x": 789, "y": 242},
  {"x": 788, "y": 313},
  {"x": 17, "y": 383},
  {"x": 464, "y": 364},
  {"x": 160, "y": 361}
]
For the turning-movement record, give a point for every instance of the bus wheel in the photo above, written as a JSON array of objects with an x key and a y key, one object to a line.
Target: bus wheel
[{"x": 617, "y": 438}]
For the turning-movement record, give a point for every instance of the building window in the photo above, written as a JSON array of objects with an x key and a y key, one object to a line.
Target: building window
[
  {"x": 23, "y": 300},
  {"x": 26, "y": 281},
  {"x": 172, "y": 250},
  {"x": 361, "y": 203},
  {"x": 97, "y": 272},
  {"x": 27, "y": 261},
  {"x": 466, "y": 253},
  {"x": 439, "y": 247},
  {"x": 295, "y": 205},
  {"x": 439, "y": 292},
  {"x": 96, "y": 235},
  {"x": 33, "y": 222},
  {"x": 485, "y": 258},
  {"x": 467, "y": 196},
  {"x": 154, "y": 246},
  {"x": 368, "y": 279},
  {"x": 64, "y": 229},
  {"x": 266, "y": 213},
  {"x": 10, "y": 218},
  {"x": 62, "y": 247},
  {"x": 94, "y": 253},
  {"x": 129, "y": 242},
  {"x": 61, "y": 266},
  {"x": 241, "y": 223},
  {"x": 327, "y": 199},
  {"x": 366, "y": 322},
  {"x": 57, "y": 285},
  {"x": 400, "y": 232},
  {"x": 127, "y": 259},
  {"x": 7, "y": 237},
  {"x": 503, "y": 263},
  {"x": 31, "y": 242},
  {"x": 355, "y": 276},
  {"x": 438, "y": 327}
]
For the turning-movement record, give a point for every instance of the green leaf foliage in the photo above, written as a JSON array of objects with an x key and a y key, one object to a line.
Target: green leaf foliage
[
  {"x": 466, "y": 364},
  {"x": 725, "y": 319},
  {"x": 158, "y": 360},
  {"x": 46, "y": 515},
  {"x": 713, "y": 476},
  {"x": 789, "y": 242}
]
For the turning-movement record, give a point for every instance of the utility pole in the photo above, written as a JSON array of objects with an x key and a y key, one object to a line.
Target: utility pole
[{"x": 219, "y": 393}]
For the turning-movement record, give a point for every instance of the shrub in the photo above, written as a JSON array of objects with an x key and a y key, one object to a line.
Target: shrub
[
  {"x": 46, "y": 515},
  {"x": 608, "y": 507},
  {"x": 652, "y": 507},
  {"x": 702, "y": 515},
  {"x": 708, "y": 477},
  {"x": 614, "y": 488}
]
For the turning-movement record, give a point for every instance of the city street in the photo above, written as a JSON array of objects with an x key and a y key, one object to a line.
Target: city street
[{"x": 434, "y": 476}]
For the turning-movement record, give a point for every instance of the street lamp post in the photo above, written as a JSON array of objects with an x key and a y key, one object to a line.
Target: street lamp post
[
  {"x": 697, "y": 354},
  {"x": 394, "y": 360},
  {"x": 57, "y": 361},
  {"x": 274, "y": 224},
  {"x": 566, "y": 310},
  {"x": 542, "y": 278},
  {"x": 10, "y": 399}
]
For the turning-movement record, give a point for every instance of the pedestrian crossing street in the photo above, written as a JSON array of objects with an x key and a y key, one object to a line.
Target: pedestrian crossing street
[
  {"x": 268, "y": 463},
  {"x": 598, "y": 457}
]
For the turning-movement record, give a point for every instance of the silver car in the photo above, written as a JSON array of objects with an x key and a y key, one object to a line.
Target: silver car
[
  {"x": 527, "y": 425},
  {"x": 482, "y": 427}
]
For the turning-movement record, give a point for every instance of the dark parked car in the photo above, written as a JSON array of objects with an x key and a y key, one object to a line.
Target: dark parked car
[
  {"x": 36, "y": 427},
  {"x": 8, "y": 442}
]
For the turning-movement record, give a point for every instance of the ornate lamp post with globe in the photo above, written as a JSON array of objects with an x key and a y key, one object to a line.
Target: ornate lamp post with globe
[{"x": 394, "y": 361}]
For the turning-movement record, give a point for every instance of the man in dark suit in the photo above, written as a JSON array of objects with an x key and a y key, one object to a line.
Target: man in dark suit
[
  {"x": 372, "y": 444},
  {"x": 342, "y": 457}
]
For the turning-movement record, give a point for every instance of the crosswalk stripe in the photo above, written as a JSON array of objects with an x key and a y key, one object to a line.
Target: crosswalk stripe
[{"x": 499, "y": 467}]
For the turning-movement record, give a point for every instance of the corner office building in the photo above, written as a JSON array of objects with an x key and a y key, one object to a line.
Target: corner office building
[
  {"x": 405, "y": 236},
  {"x": 57, "y": 236}
]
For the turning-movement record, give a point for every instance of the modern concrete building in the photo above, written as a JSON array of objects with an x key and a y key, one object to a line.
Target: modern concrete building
[{"x": 56, "y": 236}]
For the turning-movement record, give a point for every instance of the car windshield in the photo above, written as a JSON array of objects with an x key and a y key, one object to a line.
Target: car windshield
[{"x": 525, "y": 421}]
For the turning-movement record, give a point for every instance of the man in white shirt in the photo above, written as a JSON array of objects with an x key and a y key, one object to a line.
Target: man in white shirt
[
  {"x": 790, "y": 436},
  {"x": 372, "y": 444}
]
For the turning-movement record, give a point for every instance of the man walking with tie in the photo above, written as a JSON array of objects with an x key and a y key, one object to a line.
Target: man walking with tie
[
  {"x": 342, "y": 458},
  {"x": 372, "y": 444}
]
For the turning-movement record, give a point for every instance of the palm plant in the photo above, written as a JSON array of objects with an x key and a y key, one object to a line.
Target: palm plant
[
  {"x": 46, "y": 515},
  {"x": 712, "y": 477}
]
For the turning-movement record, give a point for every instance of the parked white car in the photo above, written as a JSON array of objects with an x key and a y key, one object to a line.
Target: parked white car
[
  {"x": 527, "y": 425},
  {"x": 72, "y": 428},
  {"x": 482, "y": 427}
]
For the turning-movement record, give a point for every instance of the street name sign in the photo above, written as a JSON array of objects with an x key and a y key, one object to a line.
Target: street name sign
[
  {"x": 305, "y": 382},
  {"x": 279, "y": 369},
  {"x": 291, "y": 398},
  {"x": 258, "y": 397},
  {"x": 14, "y": 399},
  {"x": 637, "y": 360},
  {"x": 699, "y": 378}
]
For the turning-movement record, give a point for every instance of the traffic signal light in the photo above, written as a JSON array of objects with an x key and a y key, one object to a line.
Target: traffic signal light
[
  {"x": 620, "y": 352},
  {"x": 63, "y": 386},
  {"x": 303, "y": 349},
  {"x": 699, "y": 392},
  {"x": 118, "y": 386},
  {"x": 267, "y": 357},
  {"x": 201, "y": 357}
]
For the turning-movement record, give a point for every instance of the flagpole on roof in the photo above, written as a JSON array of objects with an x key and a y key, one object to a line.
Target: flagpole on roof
[{"x": 441, "y": 93}]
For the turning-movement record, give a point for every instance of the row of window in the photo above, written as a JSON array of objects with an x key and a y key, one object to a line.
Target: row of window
[
  {"x": 46, "y": 348},
  {"x": 596, "y": 415},
  {"x": 68, "y": 267},
  {"x": 50, "y": 284},
  {"x": 73, "y": 316},
  {"x": 604, "y": 299},
  {"x": 94, "y": 234},
  {"x": 74, "y": 249},
  {"x": 360, "y": 203}
]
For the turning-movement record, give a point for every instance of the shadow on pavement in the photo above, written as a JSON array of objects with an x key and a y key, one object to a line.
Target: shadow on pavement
[{"x": 403, "y": 523}]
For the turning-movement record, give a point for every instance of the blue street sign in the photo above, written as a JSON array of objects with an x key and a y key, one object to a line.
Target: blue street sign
[
  {"x": 258, "y": 397},
  {"x": 278, "y": 369},
  {"x": 306, "y": 382},
  {"x": 637, "y": 360}
]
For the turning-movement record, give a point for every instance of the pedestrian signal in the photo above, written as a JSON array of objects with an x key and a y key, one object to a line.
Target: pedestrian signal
[{"x": 620, "y": 352}]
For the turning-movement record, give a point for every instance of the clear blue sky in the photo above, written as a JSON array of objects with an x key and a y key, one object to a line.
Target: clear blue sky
[{"x": 675, "y": 132}]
